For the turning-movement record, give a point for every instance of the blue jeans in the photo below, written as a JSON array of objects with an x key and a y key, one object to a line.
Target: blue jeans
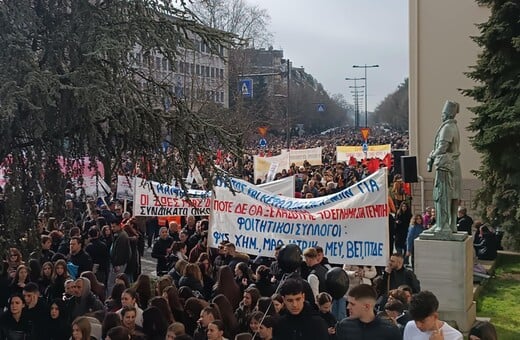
[{"x": 339, "y": 308}]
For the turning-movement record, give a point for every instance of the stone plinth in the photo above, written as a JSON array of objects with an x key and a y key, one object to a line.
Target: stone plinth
[{"x": 446, "y": 269}]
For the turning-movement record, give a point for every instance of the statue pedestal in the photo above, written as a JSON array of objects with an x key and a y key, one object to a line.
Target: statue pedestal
[{"x": 446, "y": 269}]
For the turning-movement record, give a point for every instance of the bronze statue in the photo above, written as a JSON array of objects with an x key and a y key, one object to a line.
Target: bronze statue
[{"x": 447, "y": 186}]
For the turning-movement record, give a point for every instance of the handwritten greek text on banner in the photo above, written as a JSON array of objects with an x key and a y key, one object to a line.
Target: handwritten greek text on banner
[
  {"x": 351, "y": 225},
  {"x": 156, "y": 199},
  {"x": 343, "y": 153}
]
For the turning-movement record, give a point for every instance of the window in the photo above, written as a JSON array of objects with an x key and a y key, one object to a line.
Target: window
[
  {"x": 221, "y": 73},
  {"x": 165, "y": 64},
  {"x": 221, "y": 96},
  {"x": 212, "y": 72},
  {"x": 158, "y": 63},
  {"x": 192, "y": 68},
  {"x": 207, "y": 71},
  {"x": 198, "y": 69},
  {"x": 221, "y": 50}
]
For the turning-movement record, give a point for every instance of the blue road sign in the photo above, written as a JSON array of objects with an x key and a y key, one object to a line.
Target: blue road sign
[
  {"x": 245, "y": 86},
  {"x": 262, "y": 142},
  {"x": 320, "y": 108},
  {"x": 365, "y": 147}
]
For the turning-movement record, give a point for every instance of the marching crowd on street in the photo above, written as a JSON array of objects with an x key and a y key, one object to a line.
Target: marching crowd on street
[{"x": 85, "y": 281}]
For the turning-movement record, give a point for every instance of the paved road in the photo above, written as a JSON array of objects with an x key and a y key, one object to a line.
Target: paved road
[{"x": 148, "y": 263}]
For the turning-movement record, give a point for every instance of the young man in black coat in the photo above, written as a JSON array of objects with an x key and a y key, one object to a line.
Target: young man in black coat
[
  {"x": 301, "y": 321},
  {"x": 363, "y": 322}
]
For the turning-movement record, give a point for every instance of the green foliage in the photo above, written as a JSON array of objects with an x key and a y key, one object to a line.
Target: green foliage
[
  {"x": 70, "y": 86},
  {"x": 393, "y": 110},
  {"x": 497, "y": 122},
  {"x": 501, "y": 296}
]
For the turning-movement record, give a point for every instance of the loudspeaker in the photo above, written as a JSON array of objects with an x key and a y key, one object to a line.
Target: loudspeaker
[
  {"x": 397, "y": 154},
  {"x": 409, "y": 169}
]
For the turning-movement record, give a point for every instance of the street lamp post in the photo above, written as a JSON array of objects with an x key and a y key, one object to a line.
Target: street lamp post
[
  {"x": 356, "y": 109},
  {"x": 366, "y": 87}
]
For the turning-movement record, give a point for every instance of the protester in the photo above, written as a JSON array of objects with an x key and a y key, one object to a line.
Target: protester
[
  {"x": 362, "y": 322},
  {"x": 425, "y": 322}
]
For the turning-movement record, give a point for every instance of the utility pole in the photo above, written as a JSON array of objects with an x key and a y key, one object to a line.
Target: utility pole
[
  {"x": 366, "y": 87},
  {"x": 356, "y": 97},
  {"x": 288, "y": 68}
]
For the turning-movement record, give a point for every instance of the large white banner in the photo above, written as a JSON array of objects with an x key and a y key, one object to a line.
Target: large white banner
[
  {"x": 351, "y": 225},
  {"x": 261, "y": 165},
  {"x": 299, "y": 156},
  {"x": 343, "y": 153},
  {"x": 156, "y": 199}
]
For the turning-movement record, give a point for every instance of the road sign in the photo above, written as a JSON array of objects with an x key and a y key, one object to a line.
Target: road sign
[
  {"x": 364, "y": 146},
  {"x": 262, "y": 143},
  {"x": 320, "y": 107},
  {"x": 245, "y": 86},
  {"x": 365, "y": 132}
]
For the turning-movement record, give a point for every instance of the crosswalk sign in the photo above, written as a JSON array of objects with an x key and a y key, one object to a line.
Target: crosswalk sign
[
  {"x": 320, "y": 108},
  {"x": 245, "y": 86}
]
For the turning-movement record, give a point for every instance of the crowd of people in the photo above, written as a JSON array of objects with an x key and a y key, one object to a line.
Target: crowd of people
[{"x": 86, "y": 282}]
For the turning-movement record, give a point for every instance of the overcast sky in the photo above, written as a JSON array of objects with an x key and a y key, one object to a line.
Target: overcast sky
[{"x": 327, "y": 37}]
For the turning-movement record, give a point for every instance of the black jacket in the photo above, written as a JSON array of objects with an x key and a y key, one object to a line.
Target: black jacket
[
  {"x": 10, "y": 329},
  {"x": 354, "y": 329},
  {"x": 82, "y": 260},
  {"x": 159, "y": 252},
  {"x": 307, "y": 325},
  {"x": 99, "y": 253},
  {"x": 38, "y": 318},
  {"x": 400, "y": 277},
  {"x": 120, "y": 251}
]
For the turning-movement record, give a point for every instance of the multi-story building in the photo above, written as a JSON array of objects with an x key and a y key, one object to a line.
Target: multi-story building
[{"x": 200, "y": 75}]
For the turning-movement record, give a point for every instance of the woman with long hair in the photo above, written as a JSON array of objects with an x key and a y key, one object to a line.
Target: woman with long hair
[
  {"x": 14, "y": 259},
  {"x": 163, "y": 282},
  {"x": 13, "y": 323},
  {"x": 155, "y": 325},
  {"x": 45, "y": 279},
  {"x": 192, "y": 277},
  {"x": 227, "y": 314},
  {"x": 243, "y": 276},
  {"x": 128, "y": 318},
  {"x": 129, "y": 298},
  {"x": 246, "y": 308},
  {"x": 226, "y": 285},
  {"x": 143, "y": 287},
  {"x": 415, "y": 229},
  {"x": 160, "y": 303},
  {"x": 95, "y": 286},
  {"x": 59, "y": 276},
  {"x": 81, "y": 328},
  {"x": 35, "y": 269},
  {"x": 193, "y": 307},
  {"x": 113, "y": 303},
  {"x": 59, "y": 323},
  {"x": 171, "y": 294},
  {"x": 20, "y": 279},
  {"x": 402, "y": 222},
  {"x": 111, "y": 320}
]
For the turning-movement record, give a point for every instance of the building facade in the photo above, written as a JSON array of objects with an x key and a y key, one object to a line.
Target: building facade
[{"x": 441, "y": 51}]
